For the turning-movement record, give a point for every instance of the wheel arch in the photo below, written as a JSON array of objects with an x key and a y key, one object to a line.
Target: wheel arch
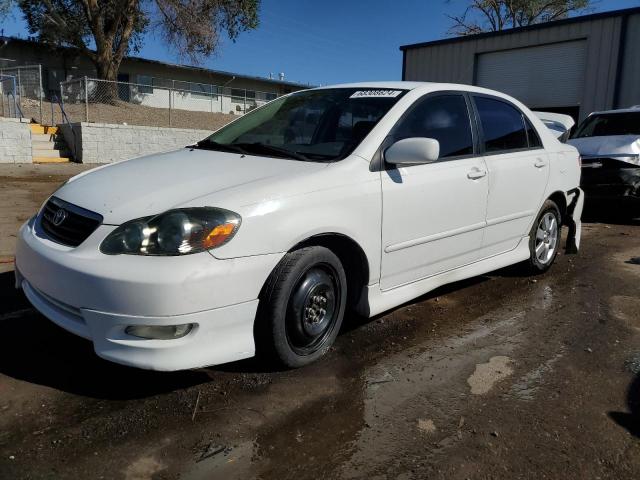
[
  {"x": 560, "y": 199},
  {"x": 354, "y": 261}
]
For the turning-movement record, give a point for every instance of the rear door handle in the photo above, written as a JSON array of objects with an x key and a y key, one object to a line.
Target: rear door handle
[
  {"x": 540, "y": 163},
  {"x": 476, "y": 173}
]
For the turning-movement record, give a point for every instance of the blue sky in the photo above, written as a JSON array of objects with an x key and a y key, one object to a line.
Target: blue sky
[{"x": 329, "y": 41}]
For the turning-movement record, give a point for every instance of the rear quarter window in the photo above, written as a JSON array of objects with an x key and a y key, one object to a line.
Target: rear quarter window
[{"x": 532, "y": 135}]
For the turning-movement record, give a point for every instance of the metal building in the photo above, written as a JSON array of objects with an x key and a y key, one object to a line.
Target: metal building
[{"x": 575, "y": 66}]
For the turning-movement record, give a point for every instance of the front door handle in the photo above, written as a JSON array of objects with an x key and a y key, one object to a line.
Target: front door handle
[
  {"x": 476, "y": 173},
  {"x": 540, "y": 163}
]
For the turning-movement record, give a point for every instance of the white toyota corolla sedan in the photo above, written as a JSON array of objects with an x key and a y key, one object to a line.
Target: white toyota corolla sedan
[{"x": 260, "y": 237}]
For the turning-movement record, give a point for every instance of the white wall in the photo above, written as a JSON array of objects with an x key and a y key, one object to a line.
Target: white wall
[
  {"x": 108, "y": 143},
  {"x": 183, "y": 100},
  {"x": 15, "y": 140}
]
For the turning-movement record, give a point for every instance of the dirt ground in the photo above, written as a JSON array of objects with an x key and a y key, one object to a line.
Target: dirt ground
[
  {"x": 500, "y": 376},
  {"x": 125, "y": 112}
]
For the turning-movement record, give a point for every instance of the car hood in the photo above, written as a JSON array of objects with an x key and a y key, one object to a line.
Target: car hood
[
  {"x": 151, "y": 185},
  {"x": 604, "y": 146}
]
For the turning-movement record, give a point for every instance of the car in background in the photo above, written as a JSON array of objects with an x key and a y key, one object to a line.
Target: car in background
[
  {"x": 609, "y": 143},
  {"x": 259, "y": 238}
]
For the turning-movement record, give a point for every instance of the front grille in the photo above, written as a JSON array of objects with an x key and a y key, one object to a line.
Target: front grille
[{"x": 71, "y": 227}]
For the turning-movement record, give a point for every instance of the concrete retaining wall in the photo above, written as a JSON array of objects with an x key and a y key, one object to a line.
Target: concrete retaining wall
[
  {"x": 15, "y": 140},
  {"x": 108, "y": 143}
]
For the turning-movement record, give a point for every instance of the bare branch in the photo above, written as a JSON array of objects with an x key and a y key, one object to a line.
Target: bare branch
[{"x": 495, "y": 15}]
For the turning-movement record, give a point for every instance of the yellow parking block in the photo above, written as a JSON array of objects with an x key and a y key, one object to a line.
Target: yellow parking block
[{"x": 51, "y": 160}]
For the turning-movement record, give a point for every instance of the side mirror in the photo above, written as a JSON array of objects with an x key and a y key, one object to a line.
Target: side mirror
[{"x": 413, "y": 151}]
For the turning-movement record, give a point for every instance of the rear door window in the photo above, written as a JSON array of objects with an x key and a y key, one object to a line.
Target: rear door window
[{"x": 502, "y": 124}]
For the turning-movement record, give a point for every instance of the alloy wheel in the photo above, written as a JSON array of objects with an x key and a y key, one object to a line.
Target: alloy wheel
[{"x": 546, "y": 238}]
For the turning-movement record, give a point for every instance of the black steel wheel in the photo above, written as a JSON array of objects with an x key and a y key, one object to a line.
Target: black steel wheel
[
  {"x": 302, "y": 307},
  {"x": 313, "y": 309}
]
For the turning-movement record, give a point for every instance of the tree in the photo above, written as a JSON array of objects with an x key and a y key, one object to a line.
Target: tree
[
  {"x": 494, "y": 15},
  {"x": 106, "y": 30},
  {"x": 5, "y": 8}
]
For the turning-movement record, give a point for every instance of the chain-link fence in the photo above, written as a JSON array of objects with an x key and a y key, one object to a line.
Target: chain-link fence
[
  {"x": 163, "y": 103},
  {"x": 8, "y": 98},
  {"x": 29, "y": 93}
]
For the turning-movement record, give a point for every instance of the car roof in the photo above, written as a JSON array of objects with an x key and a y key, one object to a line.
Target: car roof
[
  {"x": 394, "y": 85},
  {"x": 426, "y": 86}
]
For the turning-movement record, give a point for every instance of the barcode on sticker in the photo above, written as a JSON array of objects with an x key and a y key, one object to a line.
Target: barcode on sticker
[{"x": 376, "y": 94}]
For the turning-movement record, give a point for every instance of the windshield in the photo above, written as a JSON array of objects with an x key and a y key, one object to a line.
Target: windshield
[
  {"x": 608, "y": 124},
  {"x": 313, "y": 125}
]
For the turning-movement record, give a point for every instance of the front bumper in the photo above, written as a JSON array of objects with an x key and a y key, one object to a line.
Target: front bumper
[
  {"x": 97, "y": 296},
  {"x": 610, "y": 178}
]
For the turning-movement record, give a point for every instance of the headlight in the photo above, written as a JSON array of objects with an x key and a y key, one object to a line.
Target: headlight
[{"x": 176, "y": 232}]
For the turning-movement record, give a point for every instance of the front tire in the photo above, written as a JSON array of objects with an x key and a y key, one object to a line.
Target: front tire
[
  {"x": 301, "y": 307},
  {"x": 544, "y": 238}
]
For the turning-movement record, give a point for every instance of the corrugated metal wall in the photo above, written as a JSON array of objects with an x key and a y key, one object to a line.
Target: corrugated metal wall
[
  {"x": 541, "y": 76},
  {"x": 629, "y": 93},
  {"x": 457, "y": 61}
]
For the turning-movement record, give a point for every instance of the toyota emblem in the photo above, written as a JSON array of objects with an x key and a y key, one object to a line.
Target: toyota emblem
[{"x": 59, "y": 217}]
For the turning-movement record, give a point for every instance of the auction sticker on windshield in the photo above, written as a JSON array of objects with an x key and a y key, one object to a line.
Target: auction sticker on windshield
[{"x": 376, "y": 93}]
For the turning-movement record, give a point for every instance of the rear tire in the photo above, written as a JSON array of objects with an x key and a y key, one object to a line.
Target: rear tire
[
  {"x": 544, "y": 238},
  {"x": 301, "y": 307}
]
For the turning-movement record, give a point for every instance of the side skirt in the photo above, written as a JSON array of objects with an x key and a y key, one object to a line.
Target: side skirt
[{"x": 380, "y": 301}]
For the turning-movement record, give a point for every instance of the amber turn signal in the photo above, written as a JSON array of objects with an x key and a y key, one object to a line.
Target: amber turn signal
[{"x": 219, "y": 235}]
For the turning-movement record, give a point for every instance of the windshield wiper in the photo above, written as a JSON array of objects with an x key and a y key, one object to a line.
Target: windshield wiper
[
  {"x": 211, "y": 145},
  {"x": 272, "y": 149},
  {"x": 321, "y": 157}
]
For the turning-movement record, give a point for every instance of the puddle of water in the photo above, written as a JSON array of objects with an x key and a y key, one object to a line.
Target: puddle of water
[
  {"x": 423, "y": 387},
  {"x": 626, "y": 260},
  {"x": 224, "y": 464},
  {"x": 632, "y": 364},
  {"x": 414, "y": 395},
  {"x": 529, "y": 384},
  {"x": 627, "y": 309}
]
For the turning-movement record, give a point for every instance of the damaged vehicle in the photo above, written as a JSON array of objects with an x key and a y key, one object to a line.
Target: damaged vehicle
[
  {"x": 258, "y": 239},
  {"x": 609, "y": 143}
]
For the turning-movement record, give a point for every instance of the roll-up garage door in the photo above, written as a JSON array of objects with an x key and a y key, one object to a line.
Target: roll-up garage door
[{"x": 542, "y": 76}]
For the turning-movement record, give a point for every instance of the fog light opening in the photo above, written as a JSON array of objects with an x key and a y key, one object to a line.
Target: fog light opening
[{"x": 159, "y": 332}]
